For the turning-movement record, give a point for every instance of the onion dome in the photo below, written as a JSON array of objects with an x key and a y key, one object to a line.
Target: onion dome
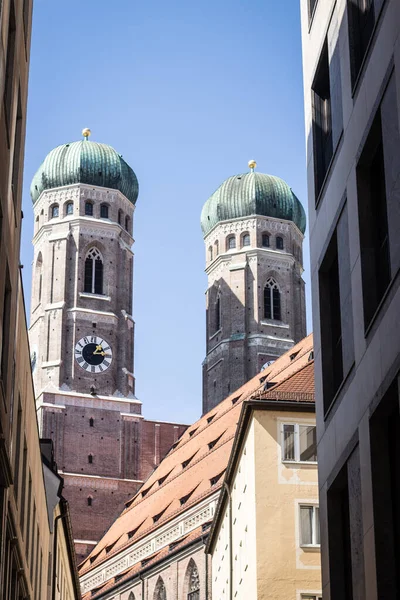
[
  {"x": 252, "y": 194},
  {"x": 85, "y": 162}
]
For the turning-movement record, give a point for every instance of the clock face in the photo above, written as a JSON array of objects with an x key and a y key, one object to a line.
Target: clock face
[{"x": 93, "y": 354}]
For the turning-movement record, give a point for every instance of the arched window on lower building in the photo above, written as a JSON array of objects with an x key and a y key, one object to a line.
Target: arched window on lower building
[
  {"x": 93, "y": 272},
  {"x": 192, "y": 575},
  {"x": 265, "y": 240},
  {"x": 103, "y": 211},
  {"x": 272, "y": 300},
  {"x": 160, "y": 593},
  {"x": 279, "y": 243},
  {"x": 89, "y": 209}
]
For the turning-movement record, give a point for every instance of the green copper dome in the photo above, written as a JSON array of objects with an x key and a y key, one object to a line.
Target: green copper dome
[
  {"x": 85, "y": 162},
  {"x": 252, "y": 194}
]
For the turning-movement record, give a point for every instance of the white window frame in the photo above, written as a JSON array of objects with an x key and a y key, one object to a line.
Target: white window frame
[
  {"x": 314, "y": 507},
  {"x": 296, "y": 444},
  {"x": 307, "y": 595}
]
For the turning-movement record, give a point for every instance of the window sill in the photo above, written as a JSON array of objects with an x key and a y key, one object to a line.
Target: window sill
[
  {"x": 301, "y": 463},
  {"x": 274, "y": 323},
  {"x": 94, "y": 296},
  {"x": 311, "y": 17},
  {"x": 214, "y": 334},
  {"x": 311, "y": 547}
]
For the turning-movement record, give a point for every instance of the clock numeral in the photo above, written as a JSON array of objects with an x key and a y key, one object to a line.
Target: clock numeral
[
  {"x": 85, "y": 365},
  {"x": 93, "y": 340},
  {"x": 80, "y": 345},
  {"x": 93, "y": 369},
  {"x": 101, "y": 368},
  {"x": 106, "y": 363},
  {"x": 86, "y": 340},
  {"x": 80, "y": 360},
  {"x": 105, "y": 348},
  {"x": 78, "y": 351}
]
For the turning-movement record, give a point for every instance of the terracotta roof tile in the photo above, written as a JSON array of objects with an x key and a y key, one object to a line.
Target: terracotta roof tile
[{"x": 170, "y": 482}]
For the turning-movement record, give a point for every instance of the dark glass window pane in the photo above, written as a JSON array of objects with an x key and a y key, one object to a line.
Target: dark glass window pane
[
  {"x": 265, "y": 240},
  {"x": 55, "y": 211},
  {"x": 267, "y": 302},
  {"x": 88, "y": 275},
  {"x": 308, "y": 443},
  {"x": 279, "y": 243},
  {"x": 104, "y": 211},
  {"x": 98, "y": 276},
  {"x": 89, "y": 209},
  {"x": 276, "y": 304},
  {"x": 288, "y": 442},
  {"x": 70, "y": 208}
]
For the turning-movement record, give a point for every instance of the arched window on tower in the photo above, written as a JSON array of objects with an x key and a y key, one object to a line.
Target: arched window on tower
[
  {"x": 39, "y": 276},
  {"x": 89, "y": 209},
  {"x": 90, "y": 458},
  {"x": 272, "y": 300},
  {"x": 55, "y": 211},
  {"x": 265, "y": 240},
  {"x": 131, "y": 596},
  {"x": 231, "y": 242},
  {"x": 89, "y": 500},
  {"x": 245, "y": 240},
  {"x": 216, "y": 248},
  {"x": 193, "y": 581},
  {"x": 127, "y": 223},
  {"x": 93, "y": 272},
  {"x": 69, "y": 208},
  {"x": 160, "y": 593},
  {"x": 279, "y": 243},
  {"x": 120, "y": 217},
  {"x": 103, "y": 211},
  {"x": 210, "y": 253}
]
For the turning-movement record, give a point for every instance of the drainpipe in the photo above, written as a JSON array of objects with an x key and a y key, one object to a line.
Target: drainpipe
[
  {"x": 142, "y": 580},
  {"x": 230, "y": 542},
  {"x": 206, "y": 569},
  {"x": 61, "y": 516}
]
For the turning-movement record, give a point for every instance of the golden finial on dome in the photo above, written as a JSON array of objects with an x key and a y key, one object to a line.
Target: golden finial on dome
[
  {"x": 252, "y": 165},
  {"x": 86, "y": 133}
]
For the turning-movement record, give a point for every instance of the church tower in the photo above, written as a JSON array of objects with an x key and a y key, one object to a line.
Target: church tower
[
  {"x": 253, "y": 227},
  {"x": 82, "y": 334}
]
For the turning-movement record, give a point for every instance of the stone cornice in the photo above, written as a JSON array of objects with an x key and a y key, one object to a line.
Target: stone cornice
[{"x": 252, "y": 222}]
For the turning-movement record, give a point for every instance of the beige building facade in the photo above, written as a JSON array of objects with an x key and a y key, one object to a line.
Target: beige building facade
[
  {"x": 351, "y": 61},
  {"x": 264, "y": 540}
]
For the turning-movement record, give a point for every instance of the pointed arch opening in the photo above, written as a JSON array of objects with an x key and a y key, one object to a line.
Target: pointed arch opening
[
  {"x": 160, "y": 593},
  {"x": 272, "y": 300},
  {"x": 39, "y": 276},
  {"x": 216, "y": 248},
  {"x": 131, "y": 596},
  {"x": 218, "y": 313},
  {"x": 94, "y": 272},
  {"x": 192, "y": 581}
]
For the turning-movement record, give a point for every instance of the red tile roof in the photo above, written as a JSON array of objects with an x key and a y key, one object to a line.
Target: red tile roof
[{"x": 207, "y": 462}]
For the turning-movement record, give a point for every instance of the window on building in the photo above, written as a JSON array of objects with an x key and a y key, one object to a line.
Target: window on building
[
  {"x": 311, "y": 597},
  {"x": 9, "y": 71},
  {"x": 17, "y": 150},
  {"x": 6, "y": 338},
  {"x": 192, "y": 575},
  {"x": 91, "y": 422},
  {"x": 231, "y": 242},
  {"x": 330, "y": 319},
  {"x": 90, "y": 459},
  {"x": 127, "y": 223},
  {"x": 246, "y": 239},
  {"x": 55, "y": 211},
  {"x": 311, "y": 7},
  {"x": 89, "y": 500},
  {"x": 39, "y": 276},
  {"x": 272, "y": 300},
  {"x": 89, "y": 209},
  {"x": 216, "y": 248},
  {"x": 322, "y": 120},
  {"x": 361, "y": 21},
  {"x": 69, "y": 208},
  {"x": 265, "y": 240},
  {"x": 299, "y": 442},
  {"x": 103, "y": 211},
  {"x": 93, "y": 272},
  {"x": 218, "y": 314},
  {"x": 279, "y": 243},
  {"x": 131, "y": 596},
  {"x": 309, "y": 525},
  {"x": 160, "y": 593},
  {"x": 210, "y": 253},
  {"x": 373, "y": 221}
]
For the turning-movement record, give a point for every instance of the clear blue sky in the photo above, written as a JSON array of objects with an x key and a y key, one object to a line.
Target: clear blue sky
[{"x": 187, "y": 92}]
